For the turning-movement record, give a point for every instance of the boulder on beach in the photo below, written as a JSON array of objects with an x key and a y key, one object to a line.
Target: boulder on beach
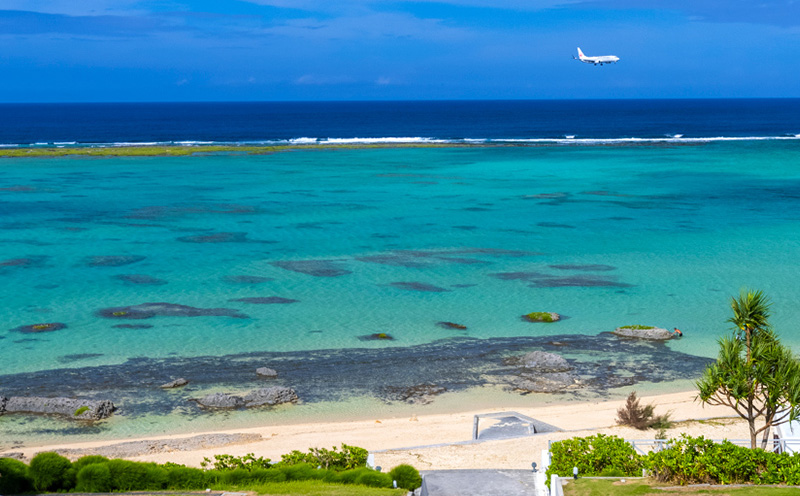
[
  {"x": 174, "y": 384},
  {"x": 65, "y": 407},
  {"x": 221, "y": 400},
  {"x": 643, "y": 332},
  {"x": 542, "y": 317},
  {"x": 266, "y": 372},
  {"x": 543, "y": 361},
  {"x": 270, "y": 396}
]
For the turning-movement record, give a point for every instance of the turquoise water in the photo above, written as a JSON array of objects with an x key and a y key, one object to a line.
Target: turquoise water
[{"x": 676, "y": 230}]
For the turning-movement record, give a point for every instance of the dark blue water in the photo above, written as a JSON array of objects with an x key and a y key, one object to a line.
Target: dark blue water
[{"x": 449, "y": 120}]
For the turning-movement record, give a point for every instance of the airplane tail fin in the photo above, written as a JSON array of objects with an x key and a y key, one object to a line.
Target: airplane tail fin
[{"x": 580, "y": 53}]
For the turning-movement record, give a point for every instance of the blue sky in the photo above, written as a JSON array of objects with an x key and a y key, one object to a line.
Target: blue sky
[{"x": 204, "y": 50}]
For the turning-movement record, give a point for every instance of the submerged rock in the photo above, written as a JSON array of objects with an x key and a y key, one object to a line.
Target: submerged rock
[
  {"x": 643, "y": 332},
  {"x": 148, "y": 310},
  {"x": 222, "y": 237},
  {"x": 142, "y": 279},
  {"x": 174, "y": 384},
  {"x": 37, "y": 328},
  {"x": 451, "y": 325},
  {"x": 112, "y": 260},
  {"x": 266, "y": 300},
  {"x": 65, "y": 407},
  {"x": 543, "y": 361},
  {"x": 378, "y": 336},
  {"x": 542, "y": 317},
  {"x": 420, "y": 394},
  {"x": 221, "y": 400},
  {"x": 270, "y": 396},
  {"x": 548, "y": 382},
  {"x": 266, "y": 372},
  {"x": 418, "y": 286},
  {"x": 316, "y": 268}
]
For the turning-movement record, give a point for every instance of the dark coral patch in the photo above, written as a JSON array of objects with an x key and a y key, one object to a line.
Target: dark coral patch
[
  {"x": 316, "y": 268},
  {"x": 222, "y": 237},
  {"x": 25, "y": 262},
  {"x": 246, "y": 279},
  {"x": 555, "y": 225},
  {"x": 378, "y": 336},
  {"x": 585, "y": 268},
  {"x": 77, "y": 357},
  {"x": 140, "y": 279},
  {"x": 419, "y": 286},
  {"x": 157, "y": 211},
  {"x": 266, "y": 300},
  {"x": 451, "y": 325},
  {"x": 112, "y": 260},
  {"x": 132, "y": 326},
  {"x": 37, "y": 328},
  {"x": 148, "y": 310},
  {"x": 579, "y": 282},
  {"x": 521, "y": 276}
]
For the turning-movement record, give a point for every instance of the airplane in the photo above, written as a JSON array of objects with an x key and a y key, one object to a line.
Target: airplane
[{"x": 603, "y": 59}]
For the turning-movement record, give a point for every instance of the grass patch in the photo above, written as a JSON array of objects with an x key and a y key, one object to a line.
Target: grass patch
[
  {"x": 607, "y": 487},
  {"x": 637, "y": 327},
  {"x": 314, "y": 488},
  {"x": 539, "y": 317}
]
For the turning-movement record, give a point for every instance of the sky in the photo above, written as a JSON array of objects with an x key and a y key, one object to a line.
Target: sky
[{"x": 266, "y": 50}]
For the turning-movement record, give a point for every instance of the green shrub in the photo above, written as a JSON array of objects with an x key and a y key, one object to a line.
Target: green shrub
[
  {"x": 235, "y": 477},
  {"x": 268, "y": 475},
  {"x": 94, "y": 478},
  {"x": 611, "y": 472},
  {"x": 406, "y": 476},
  {"x": 185, "y": 478},
  {"x": 592, "y": 455},
  {"x": 133, "y": 476},
  {"x": 230, "y": 462},
  {"x": 14, "y": 477},
  {"x": 350, "y": 476},
  {"x": 302, "y": 471},
  {"x": 48, "y": 471},
  {"x": 373, "y": 478},
  {"x": 349, "y": 457},
  {"x": 88, "y": 460}
]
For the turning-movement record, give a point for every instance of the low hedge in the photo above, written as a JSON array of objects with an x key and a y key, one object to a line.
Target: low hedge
[
  {"x": 686, "y": 460},
  {"x": 51, "y": 472}
]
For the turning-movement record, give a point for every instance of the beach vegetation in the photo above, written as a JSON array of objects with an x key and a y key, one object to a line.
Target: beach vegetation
[
  {"x": 755, "y": 374},
  {"x": 14, "y": 478},
  {"x": 637, "y": 327},
  {"x": 594, "y": 454},
  {"x": 406, "y": 476},
  {"x": 347, "y": 458},
  {"x": 610, "y": 487},
  {"x": 641, "y": 417},
  {"x": 94, "y": 478},
  {"x": 180, "y": 477},
  {"x": 230, "y": 462},
  {"x": 373, "y": 478},
  {"x": 49, "y": 472},
  {"x": 81, "y": 410},
  {"x": 88, "y": 460}
]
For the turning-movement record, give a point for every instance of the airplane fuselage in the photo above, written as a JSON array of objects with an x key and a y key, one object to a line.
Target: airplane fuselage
[{"x": 603, "y": 59}]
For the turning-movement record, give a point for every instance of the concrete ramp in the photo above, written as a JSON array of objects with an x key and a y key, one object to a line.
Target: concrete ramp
[{"x": 480, "y": 483}]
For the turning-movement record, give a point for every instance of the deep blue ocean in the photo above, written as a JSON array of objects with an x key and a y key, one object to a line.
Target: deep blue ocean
[
  {"x": 118, "y": 274},
  {"x": 236, "y": 122}
]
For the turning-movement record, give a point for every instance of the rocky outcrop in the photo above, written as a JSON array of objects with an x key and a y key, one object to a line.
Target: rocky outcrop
[
  {"x": 65, "y": 407},
  {"x": 541, "y": 361},
  {"x": 549, "y": 382},
  {"x": 270, "y": 396},
  {"x": 643, "y": 332},
  {"x": 221, "y": 400},
  {"x": 131, "y": 449},
  {"x": 148, "y": 310},
  {"x": 420, "y": 394},
  {"x": 542, "y": 317},
  {"x": 37, "y": 328},
  {"x": 266, "y": 372},
  {"x": 174, "y": 384}
]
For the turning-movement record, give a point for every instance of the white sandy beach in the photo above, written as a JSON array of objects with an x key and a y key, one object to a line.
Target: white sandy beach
[{"x": 402, "y": 440}]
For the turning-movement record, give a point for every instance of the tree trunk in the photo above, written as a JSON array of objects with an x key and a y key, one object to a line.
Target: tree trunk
[
  {"x": 751, "y": 422},
  {"x": 765, "y": 439}
]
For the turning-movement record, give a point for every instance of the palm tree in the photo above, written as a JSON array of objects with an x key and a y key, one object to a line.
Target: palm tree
[{"x": 750, "y": 314}]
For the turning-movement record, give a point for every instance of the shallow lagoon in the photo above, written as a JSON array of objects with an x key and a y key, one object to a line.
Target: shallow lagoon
[{"x": 387, "y": 240}]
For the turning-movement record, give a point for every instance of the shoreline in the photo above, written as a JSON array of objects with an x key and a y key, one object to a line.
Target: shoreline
[{"x": 435, "y": 440}]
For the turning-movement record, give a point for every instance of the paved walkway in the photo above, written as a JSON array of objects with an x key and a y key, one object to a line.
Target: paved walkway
[{"x": 478, "y": 483}]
